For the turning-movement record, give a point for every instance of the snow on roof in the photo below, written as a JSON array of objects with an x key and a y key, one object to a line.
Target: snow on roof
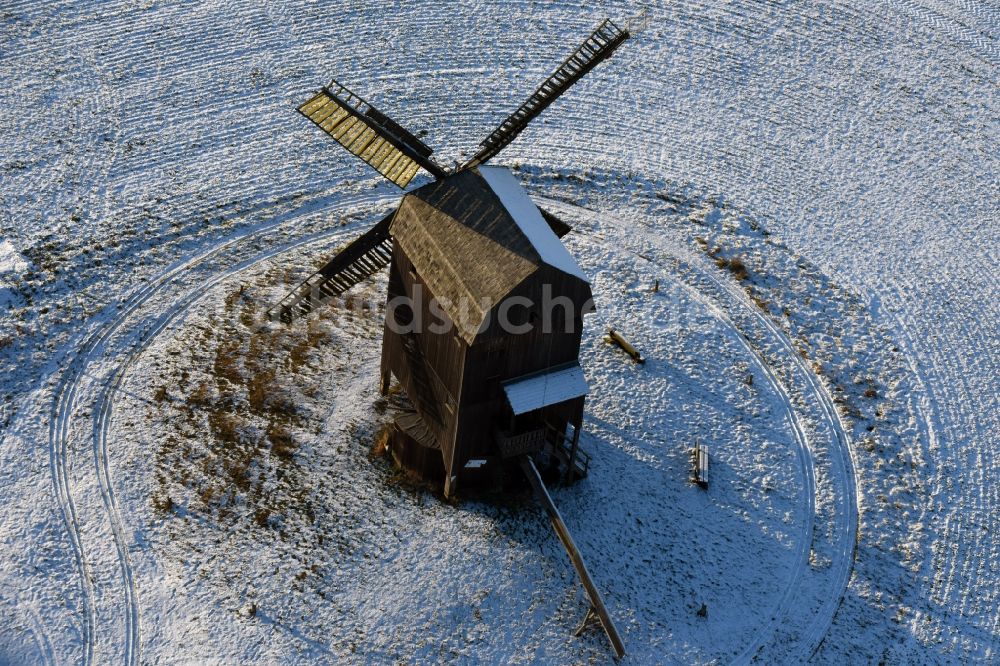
[
  {"x": 530, "y": 220},
  {"x": 473, "y": 237},
  {"x": 548, "y": 388}
]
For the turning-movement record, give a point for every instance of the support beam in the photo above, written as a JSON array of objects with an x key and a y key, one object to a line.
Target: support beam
[
  {"x": 596, "y": 602},
  {"x": 571, "y": 467}
]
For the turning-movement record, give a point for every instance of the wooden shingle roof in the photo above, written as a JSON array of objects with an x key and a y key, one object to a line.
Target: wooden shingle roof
[{"x": 473, "y": 239}]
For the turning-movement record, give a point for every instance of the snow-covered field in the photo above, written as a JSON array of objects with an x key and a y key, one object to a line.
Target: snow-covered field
[{"x": 812, "y": 186}]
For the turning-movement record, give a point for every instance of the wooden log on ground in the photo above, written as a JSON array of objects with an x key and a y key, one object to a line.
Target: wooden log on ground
[
  {"x": 701, "y": 465},
  {"x": 616, "y": 338}
]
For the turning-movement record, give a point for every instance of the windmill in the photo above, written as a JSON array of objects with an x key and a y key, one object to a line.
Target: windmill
[{"x": 495, "y": 386}]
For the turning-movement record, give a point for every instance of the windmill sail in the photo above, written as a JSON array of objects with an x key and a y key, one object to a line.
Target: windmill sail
[
  {"x": 364, "y": 257},
  {"x": 597, "y": 47},
  {"x": 368, "y": 133}
]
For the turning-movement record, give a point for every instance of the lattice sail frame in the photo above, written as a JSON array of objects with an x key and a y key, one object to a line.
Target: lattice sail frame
[
  {"x": 398, "y": 155},
  {"x": 596, "y": 48},
  {"x": 363, "y": 257},
  {"x": 369, "y": 134}
]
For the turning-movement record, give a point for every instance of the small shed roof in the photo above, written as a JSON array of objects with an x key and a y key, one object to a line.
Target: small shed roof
[
  {"x": 473, "y": 237},
  {"x": 411, "y": 423},
  {"x": 526, "y": 394}
]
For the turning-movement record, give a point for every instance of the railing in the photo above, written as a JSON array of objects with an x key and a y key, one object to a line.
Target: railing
[
  {"x": 512, "y": 445},
  {"x": 521, "y": 443},
  {"x": 563, "y": 448}
]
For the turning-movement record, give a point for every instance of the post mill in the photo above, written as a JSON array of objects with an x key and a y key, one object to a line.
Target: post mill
[{"x": 485, "y": 305}]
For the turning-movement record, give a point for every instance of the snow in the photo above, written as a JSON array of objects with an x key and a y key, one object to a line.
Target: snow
[
  {"x": 12, "y": 267},
  {"x": 11, "y": 260},
  {"x": 811, "y": 188},
  {"x": 547, "y": 388},
  {"x": 530, "y": 221}
]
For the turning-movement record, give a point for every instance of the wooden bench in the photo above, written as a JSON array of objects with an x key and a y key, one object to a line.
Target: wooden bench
[{"x": 700, "y": 466}]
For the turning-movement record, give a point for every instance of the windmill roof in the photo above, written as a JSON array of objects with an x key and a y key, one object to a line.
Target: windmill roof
[
  {"x": 529, "y": 220},
  {"x": 473, "y": 237}
]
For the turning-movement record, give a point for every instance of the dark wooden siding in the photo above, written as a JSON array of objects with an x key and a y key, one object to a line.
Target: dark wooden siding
[
  {"x": 442, "y": 356},
  {"x": 497, "y": 356},
  {"x": 465, "y": 381}
]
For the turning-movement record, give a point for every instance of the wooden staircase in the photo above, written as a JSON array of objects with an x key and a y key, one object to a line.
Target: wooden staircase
[
  {"x": 426, "y": 399},
  {"x": 597, "y": 47},
  {"x": 364, "y": 257},
  {"x": 576, "y": 465}
]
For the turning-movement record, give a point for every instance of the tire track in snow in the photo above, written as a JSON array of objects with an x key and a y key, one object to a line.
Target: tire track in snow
[
  {"x": 59, "y": 472},
  {"x": 141, "y": 49},
  {"x": 39, "y": 635},
  {"x": 64, "y": 408},
  {"x": 104, "y": 403},
  {"x": 980, "y": 39},
  {"x": 806, "y": 461},
  {"x": 701, "y": 281},
  {"x": 62, "y": 414},
  {"x": 846, "y": 523},
  {"x": 802, "y": 449},
  {"x": 956, "y": 512}
]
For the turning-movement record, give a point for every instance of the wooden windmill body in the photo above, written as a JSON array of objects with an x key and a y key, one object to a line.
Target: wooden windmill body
[
  {"x": 494, "y": 374},
  {"x": 485, "y": 305}
]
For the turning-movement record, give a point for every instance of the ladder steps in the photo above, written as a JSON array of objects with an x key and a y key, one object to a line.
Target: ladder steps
[
  {"x": 315, "y": 103},
  {"x": 389, "y": 163},
  {"x": 372, "y": 149},
  {"x": 397, "y": 166},
  {"x": 418, "y": 373},
  {"x": 410, "y": 171},
  {"x": 334, "y": 119},
  {"x": 352, "y": 132},
  {"x": 399, "y": 173},
  {"x": 381, "y": 155},
  {"x": 364, "y": 139},
  {"x": 321, "y": 113},
  {"x": 342, "y": 128}
]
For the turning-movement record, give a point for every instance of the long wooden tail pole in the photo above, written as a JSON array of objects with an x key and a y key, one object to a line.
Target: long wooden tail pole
[{"x": 597, "y": 603}]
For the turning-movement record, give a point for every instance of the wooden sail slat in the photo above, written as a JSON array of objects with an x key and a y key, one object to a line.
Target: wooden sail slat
[{"x": 369, "y": 134}]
